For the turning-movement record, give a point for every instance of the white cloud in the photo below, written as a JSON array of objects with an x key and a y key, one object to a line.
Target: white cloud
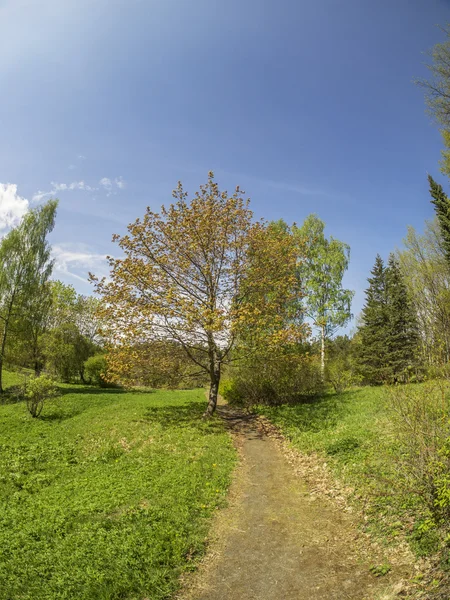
[
  {"x": 40, "y": 195},
  {"x": 111, "y": 185},
  {"x": 75, "y": 185},
  {"x": 12, "y": 206},
  {"x": 77, "y": 260},
  {"x": 106, "y": 183},
  {"x": 63, "y": 187}
]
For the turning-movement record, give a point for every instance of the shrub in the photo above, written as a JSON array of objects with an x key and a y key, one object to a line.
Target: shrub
[
  {"x": 342, "y": 370},
  {"x": 38, "y": 390},
  {"x": 95, "y": 370},
  {"x": 341, "y": 376},
  {"x": 280, "y": 380},
  {"x": 422, "y": 422}
]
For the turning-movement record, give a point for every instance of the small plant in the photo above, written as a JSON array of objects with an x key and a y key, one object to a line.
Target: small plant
[
  {"x": 342, "y": 446},
  {"x": 380, "y": 570},
  {"x": 39, "y": 389},
  {"x": 425, "y": 538}
]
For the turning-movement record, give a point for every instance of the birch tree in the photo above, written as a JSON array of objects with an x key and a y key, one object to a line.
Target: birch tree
[
  {"x": 328, "y": 304},
  {"x": 25, "y": 267}
]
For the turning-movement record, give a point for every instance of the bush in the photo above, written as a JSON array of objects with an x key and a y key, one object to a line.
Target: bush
[
  {"x": 95, "y": 370},
  {"x": 38, "y": 390},
  {"x": 341, "y": 376},
  {"x": 280, "y": 380},
  {"x": 341, "y": 368},
  {"x": 422, "y": 422}
]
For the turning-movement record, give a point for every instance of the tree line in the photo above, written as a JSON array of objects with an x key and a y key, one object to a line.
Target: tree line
[
  {"x": 44, "y": 324},
  {"x": 202, "y": 287}
]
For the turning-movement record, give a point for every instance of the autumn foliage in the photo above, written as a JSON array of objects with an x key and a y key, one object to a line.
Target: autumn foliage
[{"x": 201, "y": 274}]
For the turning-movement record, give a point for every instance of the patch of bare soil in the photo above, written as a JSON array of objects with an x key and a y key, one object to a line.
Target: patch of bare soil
[{"x": 281, "y": 538}]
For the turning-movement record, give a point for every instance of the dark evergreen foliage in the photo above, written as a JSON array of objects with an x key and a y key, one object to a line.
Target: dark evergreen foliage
[
  {"x": 374, "y": 327},
  {"x": 442, "y": 207},
  {"x": 389, "y": 334},
  {"x": 403, "y": 336}
]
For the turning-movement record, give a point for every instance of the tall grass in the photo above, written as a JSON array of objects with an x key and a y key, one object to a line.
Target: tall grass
[{"x": 375, "y": 440}]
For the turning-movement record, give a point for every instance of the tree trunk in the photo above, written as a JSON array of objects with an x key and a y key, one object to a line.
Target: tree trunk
[
  {"x": 5, "y": 334},
  {"x": 212, "y": 398},
  {"x": 214, "y": 374},
  {"x": 2, "y": 355},
  {"x": 322, "y": 353},
  {"x": 35, "y": 356}
]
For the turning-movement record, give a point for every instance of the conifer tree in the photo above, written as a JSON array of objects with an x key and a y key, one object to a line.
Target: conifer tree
[
  {"x": 442, "y": 207},
  {"x": 374, "y": 329},
  {"x": 389, "y": 330},
  {"x": 403, "y": 337}
]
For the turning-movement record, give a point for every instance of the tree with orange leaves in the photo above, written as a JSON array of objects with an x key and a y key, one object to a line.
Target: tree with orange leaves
[{"x": 201, "y": 274}]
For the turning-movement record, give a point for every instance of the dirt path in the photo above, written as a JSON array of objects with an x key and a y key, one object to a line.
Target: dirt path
[{"x": 276, "y": 541}]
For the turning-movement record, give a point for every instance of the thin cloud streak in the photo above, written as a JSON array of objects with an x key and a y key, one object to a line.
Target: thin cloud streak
[
  {"x": 77, "y": 260},
  {"x": 111, "y": 186},
  {"x": 298, "y": 188}
]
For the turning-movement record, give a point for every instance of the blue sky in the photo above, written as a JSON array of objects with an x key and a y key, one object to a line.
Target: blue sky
[{"x": 309, "y": 106}]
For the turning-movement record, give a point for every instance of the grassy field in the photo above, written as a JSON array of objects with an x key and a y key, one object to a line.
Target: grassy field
[
  {"x": 108, "y": 495},
  {"x": 354, "y": 433},
  {"x": 11, "y": 379}
]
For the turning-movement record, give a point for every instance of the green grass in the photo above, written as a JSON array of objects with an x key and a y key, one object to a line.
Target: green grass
[
  {"x": 11, "y": 379},
  {"x": 108, "y": 495},
  {"x": 354, "y": 434}
]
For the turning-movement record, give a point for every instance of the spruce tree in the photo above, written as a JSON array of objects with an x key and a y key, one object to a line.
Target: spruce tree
[
  {"x": 403, "y": 336},
  {"x": 374, "y": 329},
  {"x": 442, "y": 208}
]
